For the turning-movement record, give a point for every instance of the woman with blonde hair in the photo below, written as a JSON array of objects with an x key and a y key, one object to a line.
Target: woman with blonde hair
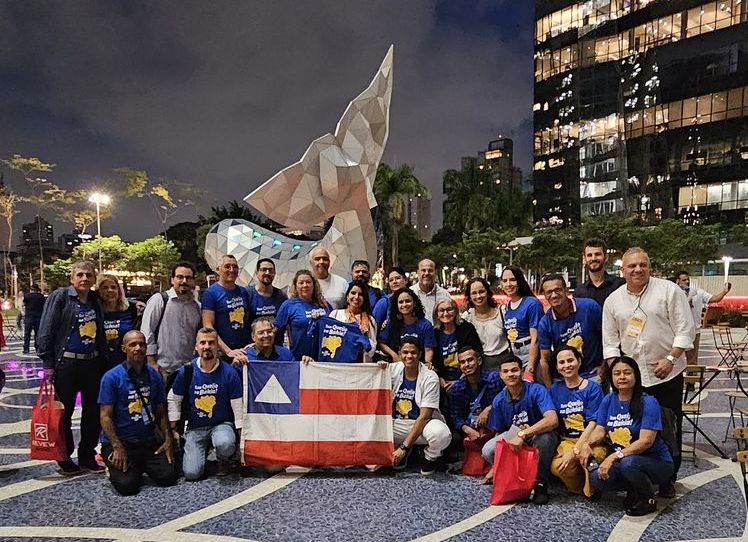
[
  {"x": 120, "y": 316},
  {"x": 304, "y": 303}
]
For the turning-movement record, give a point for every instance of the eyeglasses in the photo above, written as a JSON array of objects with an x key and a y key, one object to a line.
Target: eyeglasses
[
  {"x": 445, "y": 311},
  {"x": 184, "y": 277}
]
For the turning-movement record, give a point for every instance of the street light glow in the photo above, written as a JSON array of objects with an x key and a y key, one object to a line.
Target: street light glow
[{"x": 99, "y": 199}]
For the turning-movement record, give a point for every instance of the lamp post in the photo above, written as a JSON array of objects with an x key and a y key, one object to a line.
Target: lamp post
[{"x": 99, "y": 199}]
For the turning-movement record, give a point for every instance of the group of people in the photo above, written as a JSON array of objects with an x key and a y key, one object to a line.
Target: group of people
[{"x": 515, "y": 372}]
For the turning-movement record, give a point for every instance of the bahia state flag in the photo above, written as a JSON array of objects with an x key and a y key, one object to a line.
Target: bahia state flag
[{"x": 321, "y": 414}]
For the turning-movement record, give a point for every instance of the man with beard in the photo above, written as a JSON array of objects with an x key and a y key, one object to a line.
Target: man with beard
[
  {"x": 264, "y": 298},
  {"x": 171, "y": 320},
  {"x": 360, "y": 271},
  {"x": 427, "y": 290},
  {"x": 333, "y": 286},
  {"x": 600, "y": 284},
  {"x": 225, "y": 305},
  {"x": 214, "y": 394}
]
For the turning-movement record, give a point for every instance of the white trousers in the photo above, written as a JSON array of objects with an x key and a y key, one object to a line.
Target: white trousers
[{"x": 436, "y": 436}]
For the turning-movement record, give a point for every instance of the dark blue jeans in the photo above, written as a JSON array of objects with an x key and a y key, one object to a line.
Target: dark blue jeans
[
  {"x": 634, "y": 473},
  {"x": 30, "y": 323}
]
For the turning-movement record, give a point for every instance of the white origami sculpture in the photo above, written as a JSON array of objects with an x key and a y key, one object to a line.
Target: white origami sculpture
[{"x": 334, "y": 178}]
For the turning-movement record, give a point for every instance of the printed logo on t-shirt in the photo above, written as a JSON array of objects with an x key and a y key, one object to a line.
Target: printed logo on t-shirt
[
  {"x": 510, "y": 324},
  {"x": 135, "y": 406},
  {"x": 87, "y": 326},
  {"x": 205, "y": 399},
  {"x": 620, "y": 435},
  {"x": 111, "y": 329},
  {"x": 573, "y": 336},
  {"x": 236, "y": 312},
  {"x": 521, "y": 419}
]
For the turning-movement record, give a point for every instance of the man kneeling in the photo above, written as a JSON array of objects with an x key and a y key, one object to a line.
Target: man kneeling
[
  {"x": 415, "y": 408},
  {"x": 133, "y": 403},
  {"x": 523, "y": 412},
  {"x": 214, "y": 394}
]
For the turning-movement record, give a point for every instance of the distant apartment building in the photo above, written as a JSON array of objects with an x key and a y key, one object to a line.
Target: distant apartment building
[
  {"x": 36, "y": 232},
  {"x": 498, "y": 158},
  {"x": 418, "y": 215}
]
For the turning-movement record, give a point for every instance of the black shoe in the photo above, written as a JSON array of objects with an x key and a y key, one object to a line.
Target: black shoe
[
  {"x": 428, "y": 467},
  {"x": 630, "y": 499},
  {"x": 642, "y": 508},
  {"x": 25, "y": 351},
  {"x": 91, "y": 465},
  {"x": 667, "y": 491},
  {"x": 540, "y": 495},
  {"x": 224, "y": 468},
  {"x": 68, "y": 468}
]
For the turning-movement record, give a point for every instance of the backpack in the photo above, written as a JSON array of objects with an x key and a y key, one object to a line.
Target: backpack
[
  {"x": 185, "y": 412},
  {"x": 164, "y": 301}
]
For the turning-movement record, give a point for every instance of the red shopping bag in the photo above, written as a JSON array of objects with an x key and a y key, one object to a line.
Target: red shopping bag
[
  {"x": 514, "y": 473},
  {"x": 473, "y": 463},
  {"x": 47, "y": 435}
]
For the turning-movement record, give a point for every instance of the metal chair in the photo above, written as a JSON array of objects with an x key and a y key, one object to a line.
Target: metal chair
[
  {"x": 693, "y": 376},
  {"x": 729, "y": 350}
]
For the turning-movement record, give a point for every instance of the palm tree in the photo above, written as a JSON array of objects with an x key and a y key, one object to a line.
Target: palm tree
[{"x": 391, "y": 187}]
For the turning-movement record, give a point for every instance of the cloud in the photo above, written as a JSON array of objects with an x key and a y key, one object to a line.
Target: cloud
[{"x": 224, "y": 94}]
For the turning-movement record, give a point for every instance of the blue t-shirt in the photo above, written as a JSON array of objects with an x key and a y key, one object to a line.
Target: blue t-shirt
[
  {"x": 230, "y": 308},
  {"x": 296, "y": 314},
  {"x": 260, "y": 305},
  {"x": 466, "y": 403},
  {"x": 523, "y": 412},
  {"x": 338, "y": 341},
  {"x": 82, "y": 339},
  {"x": 116, "y": 324},
  {"x": 421, "y": 329},
  {"x": 209, "y": 394},
  {"x": 404, "y": 405},
  {"x": 280, "y": 353},
  {"x": 581, "y": 329},
  {"x": 622, "y": 430},
  {"x": 445, "y": 357},
  {"x": 518, "y": 322},
  {"x": 576, "y": 407},
  {"x": 132, "y": 420},
  {"x": 381, "y": 309}
]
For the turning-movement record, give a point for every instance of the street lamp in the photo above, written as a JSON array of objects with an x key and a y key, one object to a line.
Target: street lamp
[{"x": 99, "y": 199}]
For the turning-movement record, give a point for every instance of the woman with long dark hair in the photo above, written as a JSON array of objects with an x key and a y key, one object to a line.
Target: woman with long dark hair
[
  {"x": 632, "y": 421},
  {"x": 358, "y": 310},
  {"x": 483, "y": 312},
  {"x": 406, "y": 319},
  {"x": 522, "y": 315}
]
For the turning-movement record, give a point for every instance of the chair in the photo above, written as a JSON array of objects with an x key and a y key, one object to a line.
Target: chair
[
  {"x": 693, "y": 376},
  {"x": 729, "y": 350},
  {"x": 741, "y": 436}
]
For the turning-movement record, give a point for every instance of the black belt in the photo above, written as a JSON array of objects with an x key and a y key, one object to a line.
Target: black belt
[
  {"x": 522, "y": 342},
  {"x": 73, "y": 355}
]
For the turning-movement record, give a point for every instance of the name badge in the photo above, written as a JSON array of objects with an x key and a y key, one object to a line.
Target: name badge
[{"x": 635, "y": 326}]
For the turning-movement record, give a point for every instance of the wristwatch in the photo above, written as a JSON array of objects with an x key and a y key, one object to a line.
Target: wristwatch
[
  {"x": 670, "y": 358},
  {"x": 619, "y": 454},
  {"x": 404, "y": 448}
]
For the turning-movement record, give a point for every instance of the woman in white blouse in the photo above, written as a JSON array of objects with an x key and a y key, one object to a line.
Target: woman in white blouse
[{"x": 483, "y": 312}]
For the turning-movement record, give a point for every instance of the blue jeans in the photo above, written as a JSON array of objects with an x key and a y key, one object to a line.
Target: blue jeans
[
  {"x": 197, "y": 442},
  {"x": 634, "y": 473}
]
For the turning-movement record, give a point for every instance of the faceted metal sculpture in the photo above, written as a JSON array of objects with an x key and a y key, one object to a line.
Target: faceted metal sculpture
[{"x": 334, "y": 178}]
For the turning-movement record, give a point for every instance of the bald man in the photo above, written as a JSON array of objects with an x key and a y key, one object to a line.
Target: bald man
[
  {"x": 333, "y": 286},
  {"x": 427, "y": 290}
]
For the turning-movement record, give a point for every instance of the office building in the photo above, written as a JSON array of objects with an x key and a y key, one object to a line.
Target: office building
[
  {"x": 37, "y": 231},
  {"x": 418, "y": 215}
]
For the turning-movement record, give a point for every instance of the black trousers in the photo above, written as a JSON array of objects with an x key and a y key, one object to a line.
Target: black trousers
[
  {"x": 30, "y": 323},
  {"x": 71, "y": 377},
  {"x": 670, "y": 394},
  {"x": 141, "y": 457}
]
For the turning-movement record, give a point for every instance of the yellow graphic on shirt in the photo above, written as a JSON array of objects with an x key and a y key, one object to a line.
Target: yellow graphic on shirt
[
  {"x": 111, "y": 334},
  {"x": 135, "y": 407},
  {"x": 237, "y": 315},
  {"x": 512, "y": 334},
  {"x": 577, "y": 342},
  {"x": 331, "y": 344},
  {"x": 620, "y": 436},
  {"x": 451, "y": 360},
  {"x": 88, "y": 329},
  {"x": 574, "y": 422},
  {"x": 404, "y": 406},
  {"x": 206, "y": 404}
]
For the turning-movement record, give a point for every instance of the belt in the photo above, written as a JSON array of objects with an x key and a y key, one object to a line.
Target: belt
[
  {"x": 73, "y": 355},
  {"x": 522, "y": 342}
]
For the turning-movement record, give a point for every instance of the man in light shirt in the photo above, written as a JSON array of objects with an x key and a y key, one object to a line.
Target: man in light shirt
[
  {"x": 427, "y": 290},
  {"x": 650, "y": 321},
  {"x": 333, "y": 286}
]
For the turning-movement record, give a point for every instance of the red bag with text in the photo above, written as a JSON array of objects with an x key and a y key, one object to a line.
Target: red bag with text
[
  {"x": 47, "y": 435},
  {"x": 514, "y": 473},
  {"x": 473, "y": 463}
]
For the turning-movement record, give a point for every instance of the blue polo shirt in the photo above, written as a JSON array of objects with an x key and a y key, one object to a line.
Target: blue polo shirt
[
  {"x": 296, "y": 313},
  {"x": 581, "y": 329},
  {"x": 576, "y": 407},
  {"x": 131, "y": 419},
  {"x": 230, "y": 308},
  {"x": 279, "y": 353},
  {"x": 209, "y": 394},
  {"x": 523, "y": 412}
]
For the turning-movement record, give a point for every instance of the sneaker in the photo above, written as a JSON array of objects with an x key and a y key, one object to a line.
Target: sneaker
[
  {"x": 642, "y": 508},
  {"x": 667, "y": 491},
  {"x": 91, "y": 465},
  {"x": 224, "y": 468},
  {"x": 404, "y": 462},
  {"x": 68, "y": 468},
  {"x": 428, "y": 467},
  {"x": 540, "y": 494}
]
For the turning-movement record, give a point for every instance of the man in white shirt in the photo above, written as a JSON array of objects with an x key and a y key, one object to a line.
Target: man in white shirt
[
  {"x": 427, "y": 290},
  {"x": 650, "y": 321},
  {"x": 697, "y": 300},
  {"x": 333, "y": 286}
]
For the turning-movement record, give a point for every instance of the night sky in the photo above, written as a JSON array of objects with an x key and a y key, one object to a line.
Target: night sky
[{"x": 224, "y": 94}]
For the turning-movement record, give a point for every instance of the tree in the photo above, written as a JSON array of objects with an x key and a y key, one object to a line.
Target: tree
[
  {"x": 672, "y": 244},
  {"x": 483, "y": 248},
  {"x": 551, "y": 250},
  {"x": 619, "y": 232},
  {"x": 154, "y": 256},
  {"x": 391, "y": 187},
  {"x": 57, "y": 273},
  {"x": 113, "y": 251}
]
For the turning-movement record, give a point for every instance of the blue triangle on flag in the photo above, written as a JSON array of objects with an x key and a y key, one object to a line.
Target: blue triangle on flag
[{"x": 273, "y": 387}]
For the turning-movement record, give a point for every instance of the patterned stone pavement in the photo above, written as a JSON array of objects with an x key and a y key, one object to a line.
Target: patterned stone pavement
[{"x": 37, "y": 504}]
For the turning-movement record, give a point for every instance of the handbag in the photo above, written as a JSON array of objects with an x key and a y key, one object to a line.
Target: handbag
[
  {"x": 47, "y": 434},
  {"x": 514, "y": 473},
  {"x": 473, "y": 463}
]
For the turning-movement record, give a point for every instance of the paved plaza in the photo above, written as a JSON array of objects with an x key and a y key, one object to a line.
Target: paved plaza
[{"x": 37, "y": 504}]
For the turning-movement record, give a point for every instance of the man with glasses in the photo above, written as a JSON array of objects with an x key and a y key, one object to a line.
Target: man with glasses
[
  {"x": 171, "y": 320},
  {"x": 576, "y": 322},
  {"x": 264, "y": 298}
]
